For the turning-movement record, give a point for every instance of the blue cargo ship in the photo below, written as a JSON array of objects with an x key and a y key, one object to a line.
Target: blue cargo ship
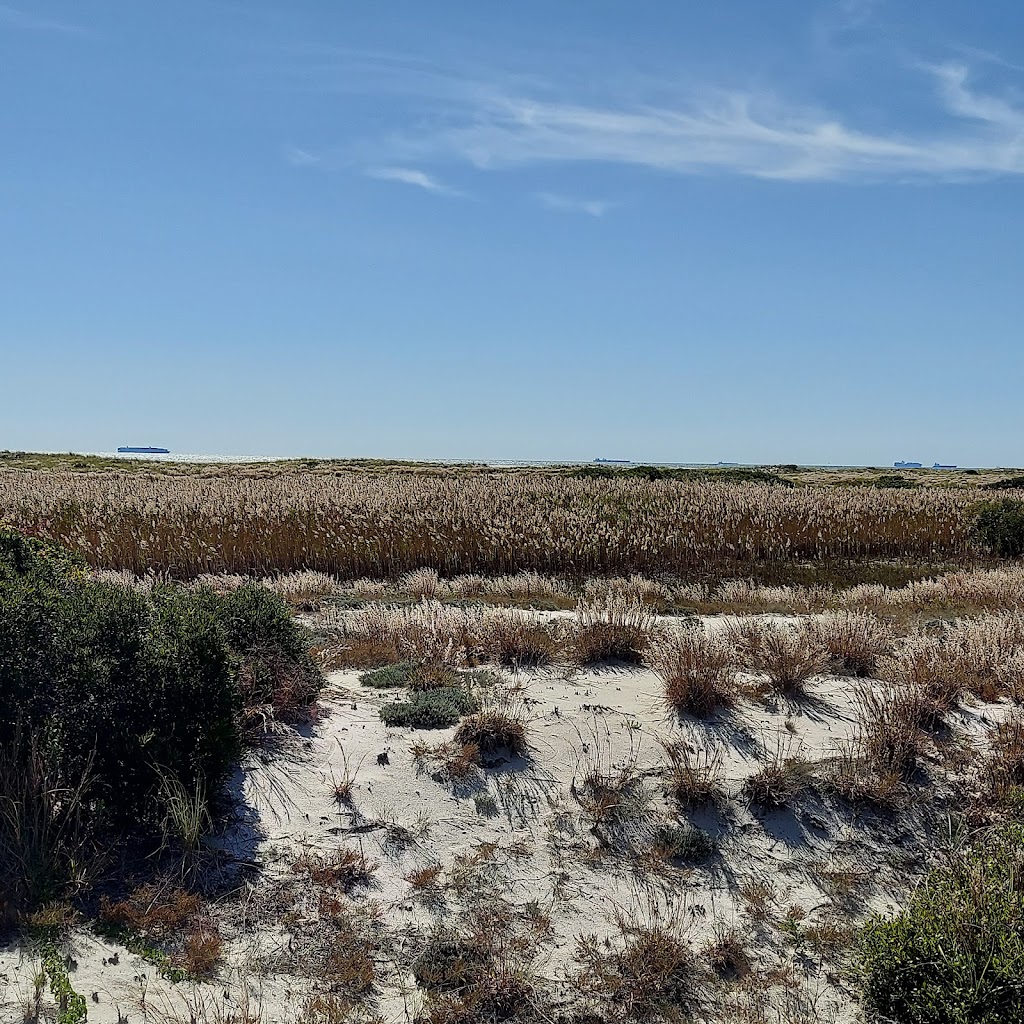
[{"x": 143, "y": 451}]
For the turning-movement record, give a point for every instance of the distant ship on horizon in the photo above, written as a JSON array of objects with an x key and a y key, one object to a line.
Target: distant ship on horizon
[
  {"x": 618, "y": 462},
  {"x": 906, "y": 465},
  {"x": 130, "y": 449}
]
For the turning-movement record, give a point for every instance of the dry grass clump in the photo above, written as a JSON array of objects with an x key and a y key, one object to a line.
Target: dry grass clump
[
  {"x": 697, "y": 667},
  {"x": 368, "y": 590},
  {"x": 328, "y": 939},
  {"x": 481, "y": 969},
  {"x": 727, "y": 953},
  {"x": 780, "y": 781},
  {"x": 450, "y": 762},
  {"x": 648, "y": 973},
  {"x": 1009, "y": 677},
  {"x": 982, "y": 648},
  {"x": 516, "y": 639},
  {"x": 424, "y": 878},
  {"x": 618, "y": 805},
  {"x": 304, "y": 590},
  {"x": 342, "y": 869},
  {"x": 348, "y": 964},
  {"x": 1002, "y": 773},
  {"x": 464, "y": 587},
  {"x": 611, "y": 790},
  {"x": 746, "y": 596},
  {"x": 202, "y": 951},
  {"x": 434, "y": 633},
  {"x": 967, "y": 591},
  {"x": 928, "y": 677},
  {"x": 633, "y": 589},
  {"x": 222, "y": 582},
  {"x": 787, "y": 653},
  {"x": 174, "y": 918},
  {"x": 421, "y": 583},
  {"x": 875, "y": 765},
  {"x": 494, "y": 729},
  {"x": 153, "y": 911},
  {"x": 982, "y": 656},
  {"x": 892, "y": 720},
  {"x": 854, "y": 640},
  {"x": 611, "y": 630},
  {"x": 695, "y": 773},
  {"x": 525, "y": 586},
  {"x": 427, "y": 632},
  {"x": 128, "y": 580}
]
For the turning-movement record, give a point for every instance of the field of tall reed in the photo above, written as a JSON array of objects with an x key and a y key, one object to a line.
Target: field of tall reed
[{"x": 383, "y": 525}]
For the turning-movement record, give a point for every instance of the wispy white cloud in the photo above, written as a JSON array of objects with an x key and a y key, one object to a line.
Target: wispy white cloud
[
  {"x": 853, "y": 14},
  {"x": 571, "y": 204},
  {"x": 18, "y": 18},
  {"x": 299, "y": 157},
  {"x": 980, "y": 135},
  {"x": 411, "y": 176}
]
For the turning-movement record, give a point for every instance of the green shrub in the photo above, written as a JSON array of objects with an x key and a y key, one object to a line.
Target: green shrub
[
  {"x": 417, "y": 675},
  {"x": 390, "y": 676},
  {"x": 112, "y": 698},
  {"x": 1010, "y": 483},
  {"x": 894, "y": 480},
  {"x": 438, "y": 708},
  {"x": 955, "y": 955},
  {"x": 133, "y": 686},
  {"x": 598, "y": 472},
  {"x": 130, "y": 685},
  {"x": 728, "y": 474},
  {"x": 274, "y": 665},
  {"x": 999, "y": 527}
]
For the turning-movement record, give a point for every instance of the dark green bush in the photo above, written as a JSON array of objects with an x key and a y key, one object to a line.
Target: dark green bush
[
  {"x": 1010, "y": 483},
  {"x": 274, "y": 665},
  {"x": 133, "y": 685},
  {"x": 430, "y": 709},
  {"x": 598, "y": 472},
  {"x": 109, "y": 695},
  {"x": 894, "y": 480},
  {"x": 955, "y": 955},
  {"x": 999, "y": 527},
  {"x": 727, "y": 474}
]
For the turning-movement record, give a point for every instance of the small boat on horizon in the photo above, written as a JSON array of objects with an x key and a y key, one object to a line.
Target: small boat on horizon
[
  {"x": 131, "y": 450},
  {"x": 617, "y": 462}
]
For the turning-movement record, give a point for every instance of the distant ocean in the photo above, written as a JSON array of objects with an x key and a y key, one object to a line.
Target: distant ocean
[{"x": 207, "y": 457}]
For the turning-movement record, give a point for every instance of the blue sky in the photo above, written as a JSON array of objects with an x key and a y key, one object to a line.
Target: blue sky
[{"x": 668, "y": 231}]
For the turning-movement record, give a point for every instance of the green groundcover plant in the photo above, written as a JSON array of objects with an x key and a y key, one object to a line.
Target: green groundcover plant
[{"x": 955, "y": 954}]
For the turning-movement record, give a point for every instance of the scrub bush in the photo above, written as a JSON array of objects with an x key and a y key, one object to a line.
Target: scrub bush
[
  {"x": 108, "y": 692},
  {"x": 998, "y": 527},
  {"x": 955, "y": 954},
  {"x": 430, "y": 709}
]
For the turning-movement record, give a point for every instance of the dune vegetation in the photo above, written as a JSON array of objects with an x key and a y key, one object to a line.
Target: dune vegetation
[{"x": 517, "y": 747}]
